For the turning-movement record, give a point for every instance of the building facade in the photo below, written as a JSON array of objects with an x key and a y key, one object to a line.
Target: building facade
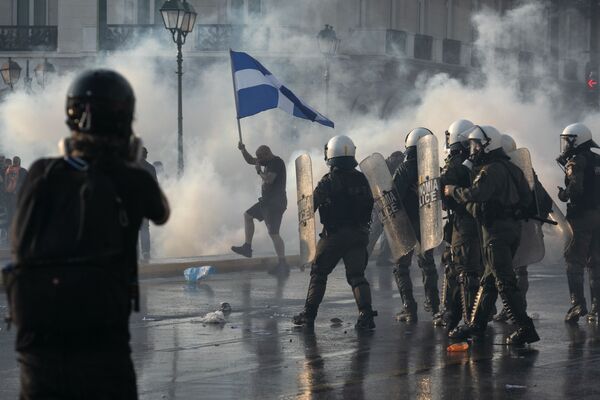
[{"x": 430, "y": 35}]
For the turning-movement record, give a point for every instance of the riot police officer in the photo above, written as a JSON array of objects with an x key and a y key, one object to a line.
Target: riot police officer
[
  {"x": 405, "y": 184},
  {"x": 74, "y": 280},
  {"x": 463, "y": 257},
  {"x": 345, "y": 203},
  {"x": 582, "y": 192},
  {"x": 498, "y": 195}
]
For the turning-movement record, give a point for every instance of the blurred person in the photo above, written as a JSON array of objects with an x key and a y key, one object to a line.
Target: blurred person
[
  {"x": 271, "y": 205},
  {"x": 73, "y": 281},
  {"x": 160, "y": 170},
  {"x": 14, "y": 178}
]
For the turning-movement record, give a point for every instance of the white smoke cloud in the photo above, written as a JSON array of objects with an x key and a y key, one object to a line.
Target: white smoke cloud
[{"x": 218, "y": 185}]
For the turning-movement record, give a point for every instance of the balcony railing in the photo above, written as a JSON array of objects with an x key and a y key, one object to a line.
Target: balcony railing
[
  {"x": 28, "y": 38},
  {"x": 118, "y": 37}
]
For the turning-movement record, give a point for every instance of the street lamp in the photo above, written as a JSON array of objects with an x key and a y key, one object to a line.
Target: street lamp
[
  {"x": 43, "y": 72},
  {"x": 328, "y": 45},
  {"x": 179, "y": 18},
  {"x": 11, "y": 72}
]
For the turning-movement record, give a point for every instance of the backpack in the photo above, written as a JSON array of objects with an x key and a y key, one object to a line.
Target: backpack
[
  {"x": 69, "y": 246},
  {"x": 12, "y": 179}
]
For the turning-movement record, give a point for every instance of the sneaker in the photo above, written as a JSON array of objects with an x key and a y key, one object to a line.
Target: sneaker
[
  {"x": 244, "y": 250},
  {"x": 365, "y": 320},
  {"x": 303, "y": 319}
]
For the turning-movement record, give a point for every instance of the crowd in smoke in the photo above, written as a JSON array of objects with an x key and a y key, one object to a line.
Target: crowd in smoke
[{"x": 208, "y": 201}]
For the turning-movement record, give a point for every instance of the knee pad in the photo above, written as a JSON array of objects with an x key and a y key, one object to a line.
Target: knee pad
[{"x": 505, "y": 286}]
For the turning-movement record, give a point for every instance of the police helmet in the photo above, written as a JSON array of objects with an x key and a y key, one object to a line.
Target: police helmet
[
  {"x": 574, "y": 136},
  {"x": 508, "y": 144},
  {"x": 101, "y": 102},
  {"x": 338, "y": 149},
  {"x": 455, "y": 134}
]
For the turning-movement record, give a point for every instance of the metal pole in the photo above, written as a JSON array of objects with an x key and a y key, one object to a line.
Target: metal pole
[
  {"x": 327, "y": 83},
  {"x": 235, "y": 96},
  {"x": 179, "y": 107}
]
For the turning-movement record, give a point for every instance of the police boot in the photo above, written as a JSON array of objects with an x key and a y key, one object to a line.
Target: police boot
[
  {"x": 578, "y": 308},
  {"x": 362, "y": 295},
  {"x": 439, "y": 319},
  {"x": 469, "y": 286},
  {"x": 526, "y": 333},
  {"x": 513, "y": 303},
  {"x": 409, "y": 313},
  {"x": 502, "y": 316},
  {"x": 432, "y": 295},
  {"x": 475, "y": 329},
  {"x": 592, "y": 316},
  {"x": 523, "y": 283},
  {"x": 305, "y": 318}
]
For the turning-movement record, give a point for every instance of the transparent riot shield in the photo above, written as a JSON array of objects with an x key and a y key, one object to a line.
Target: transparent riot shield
[
  {"x": 430, "y": 194},
  {"x": 306, "y": 212},
  {"x": 531, "y": 249},
  {"x": 396, "y": 225},
  {"x": 562, "y": 228},
  {"x": 522, "y": 159}
]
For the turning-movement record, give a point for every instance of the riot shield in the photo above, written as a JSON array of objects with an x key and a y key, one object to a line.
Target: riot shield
[
  {"x": 563, "y": 227},
  {"x": 306, "y": 212},
  {"x": 396, "y": 225},
  {"x": 522, "y": 159},
  {"x": 531, "y": 249},
  {"x": 430, "y": 195}
]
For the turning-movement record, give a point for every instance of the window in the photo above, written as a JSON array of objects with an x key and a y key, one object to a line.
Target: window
[
  {"x": 40, "y": 12},
  {"x": 22, "y": 12},
  {"x": 143, "y": 11},
  {"x": 254, "y": 7}
]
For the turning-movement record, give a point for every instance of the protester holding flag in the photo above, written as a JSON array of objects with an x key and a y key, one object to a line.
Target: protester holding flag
[
  {"x": 256, "y": 90},
  {"x": 270, "y": 207}
]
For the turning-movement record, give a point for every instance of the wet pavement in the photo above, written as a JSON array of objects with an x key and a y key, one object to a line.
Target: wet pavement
[{"x": 258, "y": 354}]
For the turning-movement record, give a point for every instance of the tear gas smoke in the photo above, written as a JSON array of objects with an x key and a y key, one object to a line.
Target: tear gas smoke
[{"x": 218, "y": 186}]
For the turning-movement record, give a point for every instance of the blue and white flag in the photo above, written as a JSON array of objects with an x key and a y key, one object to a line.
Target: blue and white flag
[{"x": 257, "y": 90}]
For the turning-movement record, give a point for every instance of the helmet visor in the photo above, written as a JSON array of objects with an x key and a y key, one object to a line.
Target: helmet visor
[
  {"x": 567, "y": 143},
  {"x": 475, "y": 147}
]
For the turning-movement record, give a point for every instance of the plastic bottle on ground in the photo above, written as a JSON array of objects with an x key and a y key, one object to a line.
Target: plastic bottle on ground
[
  {"x": 194, "y": 274},
  {"x": 458, "y": 347}
]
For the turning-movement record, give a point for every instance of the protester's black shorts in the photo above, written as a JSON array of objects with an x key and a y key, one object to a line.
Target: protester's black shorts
[{"x": 271, "y": 214}]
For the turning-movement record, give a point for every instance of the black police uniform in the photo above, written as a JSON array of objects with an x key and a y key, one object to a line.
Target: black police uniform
[
  {"x": 582, "y": 180},
  {"x": 405, "y": 183},
  {"x": 345, "y": 203},
  {"x": 463, "y": 257},
  {"x": 499, "y": 194}
]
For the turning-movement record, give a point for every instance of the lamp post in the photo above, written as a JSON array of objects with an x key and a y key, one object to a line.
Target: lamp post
[
  {"x": 11, "y": 72},
  {"x": 179, "y": 18},
  {"x": 43, "y": 72},
  {"x": 328, "y": 45}
]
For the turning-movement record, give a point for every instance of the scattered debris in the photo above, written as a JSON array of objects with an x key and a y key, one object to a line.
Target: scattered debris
[
  {"x": 195, "y": 274},
  {"x": 215, "y": 317},
  {"x": 336, "y": 320},
  {"x": 458, "y": 347},
  {"x": 225, "y": 308},
  {"x": 510, "y": 387}
]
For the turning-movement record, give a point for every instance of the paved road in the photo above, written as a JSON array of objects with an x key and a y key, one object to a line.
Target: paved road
[{"x": 258, "y": 354}]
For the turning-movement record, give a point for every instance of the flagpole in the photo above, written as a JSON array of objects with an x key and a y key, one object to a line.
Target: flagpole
[{"x": 235, "y": 97}]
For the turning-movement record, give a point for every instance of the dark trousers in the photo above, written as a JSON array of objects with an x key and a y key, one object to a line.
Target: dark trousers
[
  {"x": 350, "y": 245},
  {"x": 92, "y": 375}
]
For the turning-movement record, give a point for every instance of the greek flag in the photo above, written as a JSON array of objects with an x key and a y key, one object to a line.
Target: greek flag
[{"x": 257, "y": 90}]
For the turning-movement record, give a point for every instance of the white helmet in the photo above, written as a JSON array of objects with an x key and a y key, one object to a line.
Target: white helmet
[
  {"x": 339, "y": 146},
  {"x": 508, "y": 144},
  {"x": 413, "y": 136},
  {"x": 488, "y": 136},
  {"x": 455, "y": 132},
  {"x": 574, "y": 136}
]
